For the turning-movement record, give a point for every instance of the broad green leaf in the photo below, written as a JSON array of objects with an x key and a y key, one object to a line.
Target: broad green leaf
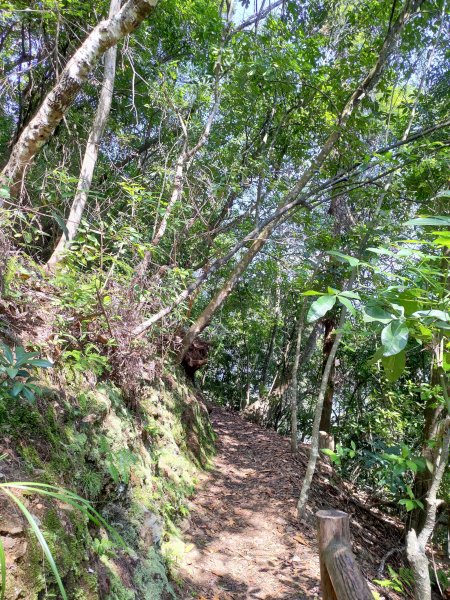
[
  {"x": 41, "y": 362},
  {"x": 312, "y": 293},
  {"x": 376, "y": 357},
  {"x": 60, "y": 220},
  {"x": 374, "y": 312},
  {"x": 439, "y": 315},
  {"x": 348, "y": 305},
  {"x": 353, "y": 262},
  {"x": 394, "y": 366},
  {"x": 440, "y": 221},
  {"x": 408, "y": 504},
  {"x": 7, "y": 353},
  {"x": 350, "y": 294},
  {"x": 381, "y": 251},
  {"x": 17, "y": 388},
  {"x": 320, "y": 307},
  {"x": 446, "y": 362},
  {"x": 394, "y": 338}
]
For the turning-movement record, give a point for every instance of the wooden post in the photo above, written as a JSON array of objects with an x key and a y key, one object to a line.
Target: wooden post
[{"x": 341, "y": 578}]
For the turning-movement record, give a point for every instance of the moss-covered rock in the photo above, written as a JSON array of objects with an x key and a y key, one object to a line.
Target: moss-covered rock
[{"x": 139, "y": 467}]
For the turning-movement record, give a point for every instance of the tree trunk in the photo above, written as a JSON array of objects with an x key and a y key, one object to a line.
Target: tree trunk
[
  {"x": 273, "y": 335},
  {"x": 315, "y": 436},
  {"x": 294, "y": 381},
  {"x": 92, "y": 149},
  {"x": 52, "y": 110},
  {"x": 205, "y": 318},
  {"x": 432, "y": 414},
  {"x": 325, "y": 421},
  {"x": 416, "y": 544}
]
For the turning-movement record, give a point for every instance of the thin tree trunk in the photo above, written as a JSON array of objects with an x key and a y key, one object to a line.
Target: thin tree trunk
[
  {"x": 294, "y": 381},
  {"x": 92, "y": 149},
  {"x": 39, "y": 130},
  {"x": 314, "y": 452},
  {"x": 325, "y": 421},
  {"x": 273, "y": 334},
  {"x": 177, "y": 190},
  {"x": 205, "y": 318},
  {"x": 416, "y": 543}
]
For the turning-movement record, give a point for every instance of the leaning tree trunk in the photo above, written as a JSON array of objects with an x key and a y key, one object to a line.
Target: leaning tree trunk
[
  {"x": 315, "y": 436},
  {"x": 54, "y": 107},
  {"x": 92, "y": 149}
]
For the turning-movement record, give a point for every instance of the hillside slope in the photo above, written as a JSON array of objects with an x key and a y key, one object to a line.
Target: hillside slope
[{"x": 137, "y": 465}]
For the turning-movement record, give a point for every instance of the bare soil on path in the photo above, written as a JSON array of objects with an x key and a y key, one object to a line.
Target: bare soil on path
[{"x": 244, "y": 539}]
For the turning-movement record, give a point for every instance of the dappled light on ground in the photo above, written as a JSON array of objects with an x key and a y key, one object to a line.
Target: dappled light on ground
[{"x": 244, "y": 540}]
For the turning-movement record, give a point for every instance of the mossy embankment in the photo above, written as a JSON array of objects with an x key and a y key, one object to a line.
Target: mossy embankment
[{"x": 138, "y": 464}]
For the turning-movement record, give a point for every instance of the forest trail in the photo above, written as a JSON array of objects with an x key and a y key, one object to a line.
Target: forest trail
[{"x": 246, "y": 541}]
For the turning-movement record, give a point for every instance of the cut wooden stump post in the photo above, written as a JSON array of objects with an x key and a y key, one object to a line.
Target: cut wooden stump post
[{"x": 341, "y": 578}]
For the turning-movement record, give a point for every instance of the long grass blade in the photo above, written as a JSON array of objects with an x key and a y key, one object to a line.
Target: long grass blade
[
  {"x": 41, "y": 539},
  {"x": 2, "y": 570},
  {"x": 67, "y": 497}
]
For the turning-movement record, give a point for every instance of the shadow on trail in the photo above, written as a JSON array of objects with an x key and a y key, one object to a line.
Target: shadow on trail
[{"x": 246, "y": 540}]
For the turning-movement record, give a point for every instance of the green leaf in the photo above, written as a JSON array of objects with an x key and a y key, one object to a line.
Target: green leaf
[
  {"x": 320, "y": 307},
  {"x": 7, "y": 353},
  {"x": 374, "y": 312},
  {"x": 348, "y": 305},
  {"x": 28, "y": 394},
  {"x": 41, "y": 362},
  {"x": 312, "y": 293},
  {"x": 394, "y": 366},
  {"x": 376, "y": 357},
  {"x": 353, "y": 262},
  {"x": 40, "y": 537},
  {"x": 381, "y": 251},
  {"x": 12, "y": 372},
  {"x": 17, "y": 388},
  {"x": 394, "y": 338},
  {"x": 440, "y": 221},
  {"x": 446, "y": 362},
  {"x": 432, "y": 315},
  {"x": 59, "y": 218},
  {"x": 408, "y": 504},
  {"x": 349, "y": 294}
]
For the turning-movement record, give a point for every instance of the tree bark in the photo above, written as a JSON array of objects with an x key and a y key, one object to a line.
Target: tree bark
[
  {"x": 315, "y": 436},
  {"x": 39, "y": 130},
  {"x": 416, "y": 544},
  {"x": 205, "y": 318},
  {"x": 92, "y": 149},
  {"x": 294, "y": 381},
  {"x": 325, "y": 421}
]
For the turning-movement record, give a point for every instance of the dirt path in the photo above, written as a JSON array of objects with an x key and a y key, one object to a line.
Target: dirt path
[{"x": 246, "y": 543}]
